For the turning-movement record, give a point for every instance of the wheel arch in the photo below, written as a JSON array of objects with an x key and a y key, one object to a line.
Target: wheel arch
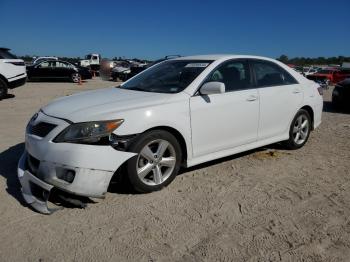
[
  {"x": 119, "y": 174},
  {"x": 311, "y": 113},
  {"x": 178, "y": 136}
]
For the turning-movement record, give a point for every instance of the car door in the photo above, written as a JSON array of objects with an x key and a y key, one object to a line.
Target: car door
[
  {"x": 280, "y": 97},
  {"x": 63, "y": 69},
  {"x": 227, "y": 120},
  {"x": 41, "y": 70}
]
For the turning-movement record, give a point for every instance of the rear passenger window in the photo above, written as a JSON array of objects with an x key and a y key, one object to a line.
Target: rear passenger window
[{"x": 270, "y": 74}]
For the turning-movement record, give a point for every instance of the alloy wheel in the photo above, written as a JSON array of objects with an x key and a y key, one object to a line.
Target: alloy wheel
[
  {"x": 75, "y": 77},
  {"x": 301, "y": 129},
  {"x": 156, "y": 162}
]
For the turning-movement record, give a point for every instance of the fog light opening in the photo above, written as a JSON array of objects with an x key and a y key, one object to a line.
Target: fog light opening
[{"x": 67, "y": 175}]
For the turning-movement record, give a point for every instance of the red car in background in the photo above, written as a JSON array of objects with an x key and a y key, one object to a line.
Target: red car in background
[
  {"x": 330, "y": 75},
  {"x": 341, "y": 75}
]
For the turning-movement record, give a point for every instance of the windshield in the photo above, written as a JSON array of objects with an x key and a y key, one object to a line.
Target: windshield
[
  {"x": 5, "y": 54},
  {"x": 171, "y": 76}
]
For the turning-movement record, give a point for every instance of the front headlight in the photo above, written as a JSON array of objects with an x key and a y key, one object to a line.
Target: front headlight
[{"x": 88, "y": 132}]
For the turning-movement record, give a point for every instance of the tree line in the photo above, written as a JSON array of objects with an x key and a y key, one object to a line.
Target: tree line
[{"x": 304, "y": 61}]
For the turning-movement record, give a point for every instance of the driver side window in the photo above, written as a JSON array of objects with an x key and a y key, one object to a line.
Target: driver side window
[
  {"x": 44, "y": 64},
  {"x": 234, "y": 74}
]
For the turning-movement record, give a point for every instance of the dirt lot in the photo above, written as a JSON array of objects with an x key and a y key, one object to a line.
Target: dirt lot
[{"x": 264, "y": 205}]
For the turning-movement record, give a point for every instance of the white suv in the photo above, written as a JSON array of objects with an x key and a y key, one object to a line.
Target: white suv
[{"x": 12, "y": 72}]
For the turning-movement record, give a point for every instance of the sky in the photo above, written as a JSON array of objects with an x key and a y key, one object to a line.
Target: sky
[{"x": 151, "y": 29}]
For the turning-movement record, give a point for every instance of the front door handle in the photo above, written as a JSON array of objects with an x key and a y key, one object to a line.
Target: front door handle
[
  {"x": 296, "y": 91},
  {"x": 252, "y": 98}
]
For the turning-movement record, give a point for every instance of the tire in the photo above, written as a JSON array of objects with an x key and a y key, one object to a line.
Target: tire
[
  {"x": 75, "y": 77},
  {"x": 299, "y": 130},
  {"x": 3, "y": 89},
  {"x": 147, "y": 171}
]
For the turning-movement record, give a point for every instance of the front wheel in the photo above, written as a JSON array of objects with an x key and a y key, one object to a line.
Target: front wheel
[
  {"x": 299, "y": 131},
  {"x": 75, "y": 77},
  {"x": 3, "y": 89},
  {"x": 157, "y": 162}
]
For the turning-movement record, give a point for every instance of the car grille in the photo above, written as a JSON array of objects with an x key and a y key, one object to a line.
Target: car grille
[{"x": 41, "y": 129}]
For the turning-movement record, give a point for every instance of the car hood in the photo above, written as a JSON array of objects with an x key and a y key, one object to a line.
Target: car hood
[
  {"x": 119, "y": 69},
  {"x": 102, "y": 104}
]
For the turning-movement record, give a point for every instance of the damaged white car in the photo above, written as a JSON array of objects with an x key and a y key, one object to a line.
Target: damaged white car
[{"x": 181, "y": 112}]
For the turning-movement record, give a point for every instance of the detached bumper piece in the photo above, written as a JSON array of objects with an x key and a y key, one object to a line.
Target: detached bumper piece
[{"x": 37, "y": 193}]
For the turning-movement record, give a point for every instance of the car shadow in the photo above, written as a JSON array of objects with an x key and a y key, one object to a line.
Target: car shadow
[
  {"x": 276, "y": 146},
  {"x": 8, "y": 169},
  {"x": 329, "y": 107},
  {"x": 8, "y": 96},
  {"x": 121, "y": 185}
]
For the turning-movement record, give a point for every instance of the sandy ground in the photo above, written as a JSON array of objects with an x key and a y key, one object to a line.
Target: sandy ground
[{"x": 264, "y": 205}]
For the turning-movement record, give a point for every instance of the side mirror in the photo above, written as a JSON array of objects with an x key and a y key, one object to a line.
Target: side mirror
[{"x": 212, "y": 88}]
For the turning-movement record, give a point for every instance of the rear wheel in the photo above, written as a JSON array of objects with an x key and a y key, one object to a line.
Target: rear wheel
[
  {"x": 3, "y": 89},
  {"x": 157, "y": 162},
  {"x": 299, "y": 131}
]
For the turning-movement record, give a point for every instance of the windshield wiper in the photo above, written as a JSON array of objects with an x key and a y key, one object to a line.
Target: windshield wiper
[{"x": 136, "y": 88}]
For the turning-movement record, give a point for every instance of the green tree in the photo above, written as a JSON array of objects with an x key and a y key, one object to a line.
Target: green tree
[{"x": 283, "y": 59}]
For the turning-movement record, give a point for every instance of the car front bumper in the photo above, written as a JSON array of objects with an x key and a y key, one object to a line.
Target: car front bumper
[
  {"x": 45, "y": 164},
  {"x": 17, "y": 81}
]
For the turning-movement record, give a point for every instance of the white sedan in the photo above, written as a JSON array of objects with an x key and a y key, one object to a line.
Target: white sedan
[{"x": 181, "y": 112}]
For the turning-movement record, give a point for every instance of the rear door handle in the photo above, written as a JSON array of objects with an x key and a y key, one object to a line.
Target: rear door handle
[
  {"x": 252, "y": 98},
  {"x": 296, "y": 91}
]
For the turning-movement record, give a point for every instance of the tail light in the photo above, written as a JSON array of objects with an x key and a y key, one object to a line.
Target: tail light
[{"x": 320, "y": 90}]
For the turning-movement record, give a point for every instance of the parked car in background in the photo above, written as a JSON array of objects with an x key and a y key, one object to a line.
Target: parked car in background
[
  {"x": 128, "y": 69},
  {"x": 341, "y": 94},
  {"x": 12, "y": 72},
  {"x": 121, "y": 70},
  {"x": 298, "y": 69},
  {"x": 324, "y": 75},
  {"x": 341, "y": 74},
  {"x": 39, "y": 59},
  {"x": 136, "y": 69},
  {"x": 310, "y": 70},
  {"x": 57, "y": 69},
  {"x": 330, "y": 75},
  {"x": 181, "y": 112}
]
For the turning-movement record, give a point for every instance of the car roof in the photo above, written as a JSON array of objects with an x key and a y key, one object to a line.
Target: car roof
[{"x": 223, "y": 57}]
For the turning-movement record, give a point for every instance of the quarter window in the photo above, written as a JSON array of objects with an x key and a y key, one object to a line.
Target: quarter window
[
  {"x": 270, "y": 74},
  {"x": 234, "y": 74}
]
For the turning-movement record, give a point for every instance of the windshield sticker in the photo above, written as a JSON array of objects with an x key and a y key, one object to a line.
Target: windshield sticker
[{"x": 197, "y": 65}]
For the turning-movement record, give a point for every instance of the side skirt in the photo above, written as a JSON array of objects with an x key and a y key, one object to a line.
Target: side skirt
[{"x": 236, "y": 150}]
